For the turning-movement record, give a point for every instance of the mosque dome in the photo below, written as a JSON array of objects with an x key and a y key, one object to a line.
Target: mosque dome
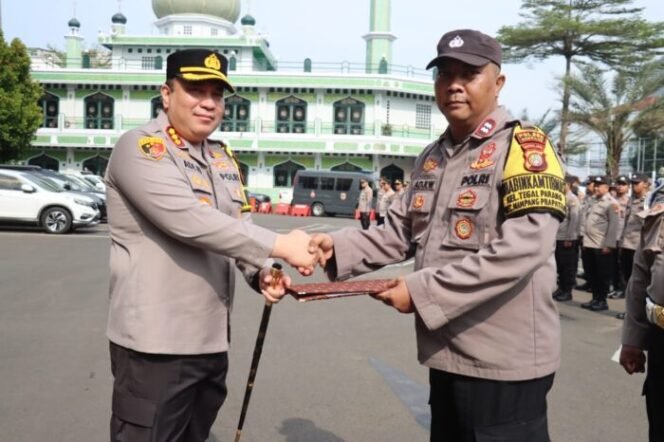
[
  {"x": 226, "y": 9},
  {"x": 74, "y": 23},
  {"x": 119, "y": 19},
  {"x": 248, "y": 20}
]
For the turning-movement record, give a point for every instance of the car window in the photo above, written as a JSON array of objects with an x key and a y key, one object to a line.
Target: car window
[
  {"x": 9, "y": 183},
  {"x": 44, "y": 183},
  {"x": 309, "y": 182},
  {"x": 327, "y": 183},
  {"x": 344, "y": 184}
]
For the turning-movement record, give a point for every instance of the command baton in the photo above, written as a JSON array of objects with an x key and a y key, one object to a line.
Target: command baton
[{"x": 276, "y": 274}]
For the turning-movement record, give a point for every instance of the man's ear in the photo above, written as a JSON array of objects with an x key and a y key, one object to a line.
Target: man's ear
[{"x": 165, "y": 95}]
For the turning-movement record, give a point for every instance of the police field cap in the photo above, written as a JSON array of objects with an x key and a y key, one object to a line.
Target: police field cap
[
  {"x": 198, "y": 65},
  {"x": 469, "y": 46},
  {"x": 639, "y": 178},
  {"x": 622, "y": 179},
  {"x": 397, "y": 181},
  {"x": 600, "y": 179}
]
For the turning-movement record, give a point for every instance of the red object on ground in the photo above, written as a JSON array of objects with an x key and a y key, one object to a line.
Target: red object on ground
[
  {"x": 300, "y": 210},
  {"x": 265, "y": 208},
  {"x": 282, "y": 209},
  {"x": 372, "y": 215}
]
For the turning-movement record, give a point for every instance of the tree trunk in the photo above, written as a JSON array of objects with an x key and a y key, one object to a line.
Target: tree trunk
[{"x": 564, "y": 114}]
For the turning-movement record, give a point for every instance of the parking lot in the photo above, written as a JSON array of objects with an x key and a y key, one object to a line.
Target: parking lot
[{"x": 331, "y": 371}]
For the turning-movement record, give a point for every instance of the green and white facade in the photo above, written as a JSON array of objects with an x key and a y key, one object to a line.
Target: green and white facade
[{"x": 284, "y": 116}]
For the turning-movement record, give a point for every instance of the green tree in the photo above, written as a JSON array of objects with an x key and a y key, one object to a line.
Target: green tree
[
  {"x": 612, "y": 108},
  {"x": 20, "y": 114},
  {"x": 609, "y": 32}
]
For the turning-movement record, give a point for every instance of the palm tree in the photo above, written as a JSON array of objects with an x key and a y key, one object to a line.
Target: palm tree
[{"x": 613, "y": 106}]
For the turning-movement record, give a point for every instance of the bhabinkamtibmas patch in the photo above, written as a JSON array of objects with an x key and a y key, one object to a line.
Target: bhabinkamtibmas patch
[{"x": 533, "y": 177}]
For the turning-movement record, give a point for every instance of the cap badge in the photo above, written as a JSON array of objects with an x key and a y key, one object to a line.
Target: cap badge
[
  {"x": 456, "y": 42},
  {"x": 212, "y": 62}
]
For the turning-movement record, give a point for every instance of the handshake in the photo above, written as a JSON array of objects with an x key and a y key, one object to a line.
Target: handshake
[{"x": 303, "y": 252}]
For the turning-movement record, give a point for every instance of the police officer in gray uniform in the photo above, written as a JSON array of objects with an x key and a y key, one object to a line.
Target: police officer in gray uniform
[
  {"x": 587, "y": 203},
  {"x": 480, "y": 217},
  {"x": 364, "y": 202},
  {"x": 623, "y": 199},
  {"x": 567, "y": 247},
  {"x": 178, "y": 229},
  {"x": 599, "y": 243},
  {"x": 643, "y": 329}
]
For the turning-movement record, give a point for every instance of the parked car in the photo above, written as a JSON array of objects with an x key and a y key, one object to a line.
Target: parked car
[{"x": 31, "y": 199}]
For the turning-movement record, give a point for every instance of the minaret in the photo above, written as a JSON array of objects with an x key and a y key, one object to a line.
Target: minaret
[
  {"x": 73, "y": 39},
  {"x": 119, "y": 21},
  {"x": 379, "y": 39}
]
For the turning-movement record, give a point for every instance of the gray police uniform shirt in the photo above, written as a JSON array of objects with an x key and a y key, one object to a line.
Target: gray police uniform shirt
[
  {"x": 633, "y": 223},
  {"x": 364, "y": 200},
  {"x": 482, "y": 283},
  {"x": 623, "y": 204},
  {"x": 602, "y": 224},
  {"x": 569, "y": 227},
  {"x": 586, "y": 206},
  {"x": 177, "y": 233},
  {"x": 384, "y": 201},
  {"x": 647, "y": 276}
]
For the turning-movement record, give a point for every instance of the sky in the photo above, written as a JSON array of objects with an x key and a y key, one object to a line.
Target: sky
[{"x": 325, "y": 31}]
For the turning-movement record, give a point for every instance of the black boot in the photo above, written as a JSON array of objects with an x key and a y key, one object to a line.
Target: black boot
[
  {"x": 598, "y": 306},
  {"x": 563, "y": 296},
  {"x": 588, "y": 305}
]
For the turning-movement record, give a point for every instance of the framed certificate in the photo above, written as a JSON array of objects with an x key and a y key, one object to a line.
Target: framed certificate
[{"x": 329, "y": 290}]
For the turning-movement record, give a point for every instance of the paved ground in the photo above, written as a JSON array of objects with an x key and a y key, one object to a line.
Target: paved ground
[{"x": 332, "y": 371}]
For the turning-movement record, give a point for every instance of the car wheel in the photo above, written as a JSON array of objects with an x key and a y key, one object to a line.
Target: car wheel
[
  {"x": 56, "y": 220},
  {"x": 317, "y": 209}
]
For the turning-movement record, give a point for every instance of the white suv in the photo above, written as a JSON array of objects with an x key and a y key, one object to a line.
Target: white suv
[{"x": 26, "y": 198}]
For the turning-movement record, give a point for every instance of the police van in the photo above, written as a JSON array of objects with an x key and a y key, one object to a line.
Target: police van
[{"x": 329, "y": 193}]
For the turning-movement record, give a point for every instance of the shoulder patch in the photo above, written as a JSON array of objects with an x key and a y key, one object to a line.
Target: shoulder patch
[
  {"x": 152, "y": 147},
  {"x": 533, "y": 179}
]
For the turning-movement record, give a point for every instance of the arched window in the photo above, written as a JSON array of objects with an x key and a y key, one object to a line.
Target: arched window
[
  {"x": 285, "y": 172},
  {"x": 50, "y": 105},
  {"x": 232, "y": 63},
  {"x": 346, "y": 167},
  {"x": 99, "y": 111},
  {"x": 96, "y": 165},
  {"x": 156, "y": 105},
  {"x": 349, "y": 117},
  {"x": 236, "y": 114},
  {"x": 45, "y": 162},
  {"x": 291, "y": 115}
]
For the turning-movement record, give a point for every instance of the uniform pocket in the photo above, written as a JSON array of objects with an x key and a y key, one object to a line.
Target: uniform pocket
[
  {"x": 466, "y": 223},
  {"x": 421, "y": 208},
  {"x": 132, "y": 409}
]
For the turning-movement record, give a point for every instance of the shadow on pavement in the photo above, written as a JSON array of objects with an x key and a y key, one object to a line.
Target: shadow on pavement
[{"x": 304, "y": 430}]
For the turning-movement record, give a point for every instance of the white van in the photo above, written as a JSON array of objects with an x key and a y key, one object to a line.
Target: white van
[{"x": 27, "y": 198}]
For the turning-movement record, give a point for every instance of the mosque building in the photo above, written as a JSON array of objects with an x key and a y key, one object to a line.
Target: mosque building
[{"x": 283, "y": 117}]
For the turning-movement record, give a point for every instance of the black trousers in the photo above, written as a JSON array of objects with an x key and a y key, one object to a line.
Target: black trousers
[
  {"x": 465, "y": 409},
  {"x": 380, "y": 220},
  {"x": 626, "y": 263},
  {"x": 567, "y": 259},
  {"x": 601, "y": 267},
  {"x": 619, "y": 278},
  {"x": 654, "y": 385},
  {"x": 365, "y": 220},
  {"x": 165, "y": 397},
  {"x": 585, "y": 262}
]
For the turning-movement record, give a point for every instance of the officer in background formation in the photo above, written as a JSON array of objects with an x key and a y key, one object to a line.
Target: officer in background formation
[
  {"x": 567, "y": 247},
  {"x": 629, "y": 240},
  {"x": 480, "y": 217},
  {"x": 586, "y": 205},
  {"x": 398, "y": 188},
  {"x": 385, "y": 198},
  {"x": 364, "y": 202},
  {"x": 178, "y": 229},
  {"x": 643, "y": 329},
  {"x": 621, "y": 195},
  {"x": 599, "y": 243}
]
